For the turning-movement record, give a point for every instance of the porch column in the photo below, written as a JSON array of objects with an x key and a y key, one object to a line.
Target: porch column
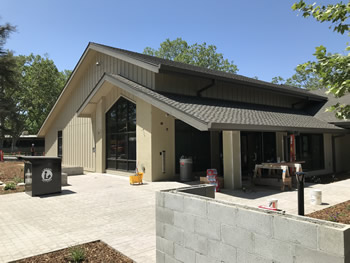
[
  {"x": 232, "y": 159},
  {"x": 100, "y": 141}
]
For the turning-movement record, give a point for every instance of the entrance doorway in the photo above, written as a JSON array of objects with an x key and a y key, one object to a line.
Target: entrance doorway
[{"x": 256, "y": 147}]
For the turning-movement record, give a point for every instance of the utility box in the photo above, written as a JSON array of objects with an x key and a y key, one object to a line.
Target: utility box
[{"x": 42, "y": 175}]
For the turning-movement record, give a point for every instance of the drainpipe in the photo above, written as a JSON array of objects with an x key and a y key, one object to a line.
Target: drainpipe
[{"x": 199, "y": 92}]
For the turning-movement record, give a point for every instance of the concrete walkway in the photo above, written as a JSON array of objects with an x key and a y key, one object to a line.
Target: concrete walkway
[
  {"x": 95, "y": 206},
  {"x": 106, "y": 207},
  {"x": 333, "y": 193}
]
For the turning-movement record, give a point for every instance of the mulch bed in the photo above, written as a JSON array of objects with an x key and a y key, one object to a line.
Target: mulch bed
[
  {"x": 96, "y": 252},
  {"x": 339, "y": 213},
  {"x": 11, "y": 172}
]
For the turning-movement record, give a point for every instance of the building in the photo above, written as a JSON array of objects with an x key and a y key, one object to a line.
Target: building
[{"x": 121, "y": 110}]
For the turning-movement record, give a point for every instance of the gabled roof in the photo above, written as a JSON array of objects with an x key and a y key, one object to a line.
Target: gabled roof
[
  {"x": 327, "y": 116},
  {"x": 165, "y": 65},
  {"x": 159, "y": 65},
  {"x": 212, "y": 114}
]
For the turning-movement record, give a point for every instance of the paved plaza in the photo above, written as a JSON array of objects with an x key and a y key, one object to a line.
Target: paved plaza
[{"x": 105, "y": 207}]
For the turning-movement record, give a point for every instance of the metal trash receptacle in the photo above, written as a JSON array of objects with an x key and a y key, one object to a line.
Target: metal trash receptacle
[
  {"x": 186, "y": 169},
  {"x": 42, "y": 175}
]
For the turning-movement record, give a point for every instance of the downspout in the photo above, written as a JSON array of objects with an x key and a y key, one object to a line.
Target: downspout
[{"x": 199, "y": 92}]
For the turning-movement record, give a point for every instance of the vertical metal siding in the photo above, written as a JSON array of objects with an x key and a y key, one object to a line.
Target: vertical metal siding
[{"x": 78, "y": 133}]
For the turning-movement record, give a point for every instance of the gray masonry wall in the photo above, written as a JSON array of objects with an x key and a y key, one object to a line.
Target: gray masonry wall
[{"x": 192, "y": 228}]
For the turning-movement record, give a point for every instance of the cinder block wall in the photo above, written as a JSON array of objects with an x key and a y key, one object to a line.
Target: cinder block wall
[{"x": 191, "y": 228}]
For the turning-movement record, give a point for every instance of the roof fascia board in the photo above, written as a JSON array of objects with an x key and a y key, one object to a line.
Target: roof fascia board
[
  {"x": 64, "y": 89},
  {"x": 129, "y": 59},
  {"x": 245, "y": 127},
  {"x": 202, "y": 126},
  {"x": 170, "y": 69}
]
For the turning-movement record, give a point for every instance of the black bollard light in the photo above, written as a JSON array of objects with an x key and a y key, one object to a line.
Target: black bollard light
[{"x": 300, "y": 179}]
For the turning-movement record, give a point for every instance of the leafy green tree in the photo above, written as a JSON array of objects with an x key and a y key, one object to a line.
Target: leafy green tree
[
  {"x": 8, "y": 107},
  {"x": 302, "y": 78},
  {"x": 202, "y": 55},
  {"x": 40, "y": 84},
  {"x": 333, "y": 69}
]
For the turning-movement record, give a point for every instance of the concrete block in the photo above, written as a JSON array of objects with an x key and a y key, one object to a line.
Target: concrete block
[
  {"x": 257, "y": 222},
  {"x": 174, "y": 201},
  {"x": 303, "y": 254},
  {"x": 174, "y": 234},
  {"x": 196, "y": 242},
  {"x": 184, "y": 221},
  {"x": 160, "y": 257},
  {"x": 246, "y": 257},
  {"x": 347, "y": 243},
  {"x": 164, "y": 215},
  {"x": 208, "y": 228},
  {"x": 64, "y": 179},
  {"x": 273, "y": 249},
  {"x": 160, "y": 199},
  {"x": 237, "y": 237},
  {"x": 296, "y": 231},
  {"x": 159, "y": 229},
  {"x": 222, "y": 213},
  {"x": 331, "y": 240},
  {"x": 184, "y": 254},
  {"x": 205, "y": 259},
  {"x": 221, "y": 251},
  {"x": 165, "y": 246},
  {"x": 195, "y": 206},
  {"x": 73, "y": 170},
  {"x": 170, "y": 259}
]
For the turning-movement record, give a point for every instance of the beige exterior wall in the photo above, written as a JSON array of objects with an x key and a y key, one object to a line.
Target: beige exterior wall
[
  {"x": 232, "y": 159},
  {"x": 79, "y": 134},
  {"x": 342, "y": 153},
  {"x": 163, "y": 139}
]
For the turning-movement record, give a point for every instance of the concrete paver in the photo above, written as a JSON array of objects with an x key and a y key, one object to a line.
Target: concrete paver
[
  {"x": 94, "y": 207},
  {"x": 105, "y": 207}
]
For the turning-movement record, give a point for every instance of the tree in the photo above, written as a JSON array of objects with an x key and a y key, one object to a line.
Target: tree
[
  {"x": 8, "y": 106},
  {"x": 302, "y": 78},
  {"x": 197, "y": 54},
  {"x": 40, "y": 84},
  {"x": 333, "y": 69}
]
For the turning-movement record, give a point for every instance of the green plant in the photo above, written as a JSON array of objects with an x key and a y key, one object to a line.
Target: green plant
[
  {"x": 10, "y": 186},
  {"x": 334, "y": 217},
  {"x": 18, "y": 180},
  {"x": 77, "y": 254}
]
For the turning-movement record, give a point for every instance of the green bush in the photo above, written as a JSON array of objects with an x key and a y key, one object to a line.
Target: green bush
[
  {"x": 77, "y": 254},
  {"x": 10, "y": 186},
  {"x": 18, "y": 180}
]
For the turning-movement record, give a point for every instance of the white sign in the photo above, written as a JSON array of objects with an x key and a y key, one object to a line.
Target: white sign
[{"x": 46, "y": 175}]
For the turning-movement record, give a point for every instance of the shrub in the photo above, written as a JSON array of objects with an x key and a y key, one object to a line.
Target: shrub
[
  {"x": 10, "y": 186},
  {"x": 77, "y": 254}
]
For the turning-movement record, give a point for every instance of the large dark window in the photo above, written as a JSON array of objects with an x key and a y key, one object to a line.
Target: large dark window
[
  {"x": 121, "y": 135},
  {"x": 309, "y": 148},
  {"x": 59, "y": 143}
]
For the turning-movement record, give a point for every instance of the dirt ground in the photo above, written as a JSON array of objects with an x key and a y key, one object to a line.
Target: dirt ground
[
  {"x": 11, "y": 172},
  {"x": 339, "y": 213},
  {"x": 92, "y": 252}
]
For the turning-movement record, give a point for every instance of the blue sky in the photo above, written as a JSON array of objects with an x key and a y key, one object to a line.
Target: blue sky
[{"x": 263, "y": 38}]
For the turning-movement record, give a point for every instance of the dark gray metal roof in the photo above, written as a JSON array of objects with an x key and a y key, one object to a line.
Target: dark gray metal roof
[
  {"x": 169, "y": 65},
  {"x": 227, "y": 115},
  {"x": 324, "y": 115}
]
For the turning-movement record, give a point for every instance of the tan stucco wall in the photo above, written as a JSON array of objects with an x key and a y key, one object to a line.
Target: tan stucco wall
[
  {"x": 342, "y": 153},
  {"x": 232, "y": 159},
  {"x": 163, "y": 139}
]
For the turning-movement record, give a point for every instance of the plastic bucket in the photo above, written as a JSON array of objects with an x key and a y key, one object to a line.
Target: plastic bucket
[
  {"x": 316, "y": 197},
  {"x": 273, "y": 203}
]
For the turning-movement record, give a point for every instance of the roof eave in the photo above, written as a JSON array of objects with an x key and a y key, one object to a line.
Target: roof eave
[{"x": 266, "y": 128}]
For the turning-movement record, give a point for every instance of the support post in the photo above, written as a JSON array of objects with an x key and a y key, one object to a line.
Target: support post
[{"x": 300, "y": 179}]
